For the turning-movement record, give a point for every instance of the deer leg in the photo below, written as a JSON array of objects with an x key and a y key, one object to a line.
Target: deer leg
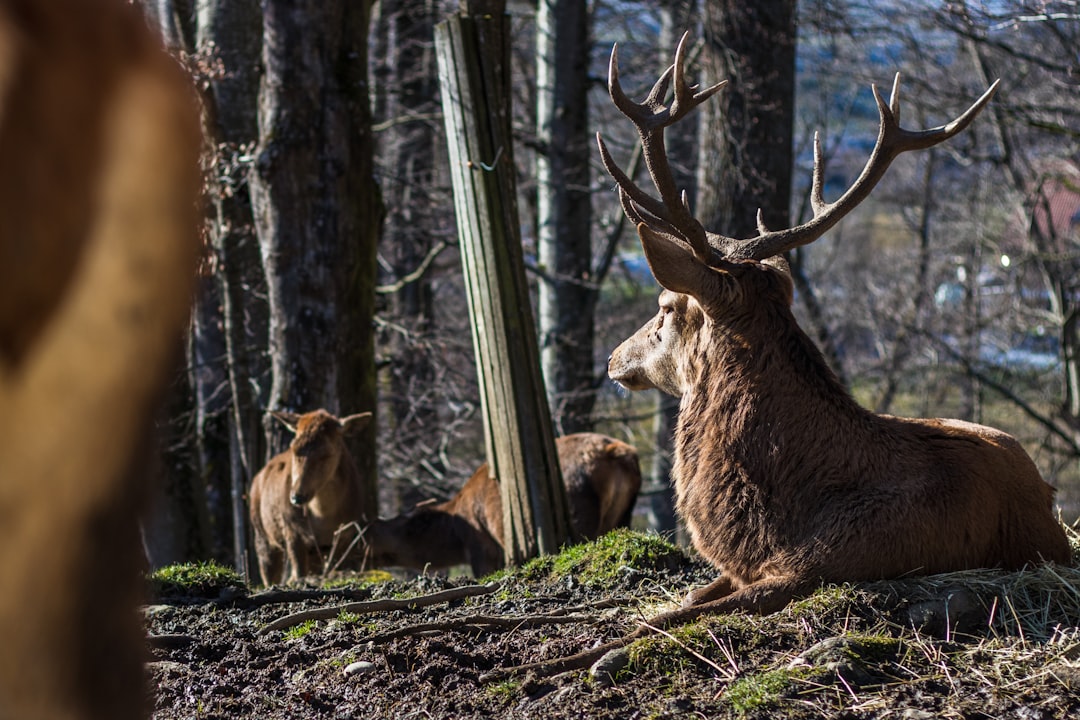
[
  {"x": 269, "y": 560},
  {"x": 762, "y": 598},
  {"x": 718, "y": 588},
  {"x": 296, "y": 557}
]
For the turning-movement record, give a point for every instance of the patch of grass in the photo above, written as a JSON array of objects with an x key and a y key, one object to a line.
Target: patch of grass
[
  {"x": 1030, "y": 604},
  {"x": 358, "y": 580},
  {"x": 347, "y": 617},
  {"x": 602, "y": 561},
  {"x": 505, "y": 691},
  {"x": 202, "y": 579},
  {"x": 874, "y": 649},
  {"x": 665, "y": 656},
  {"x": 721, "y": 641},
  {"x": 761, "y": 689},
  {"x": 298, "y": 631}
]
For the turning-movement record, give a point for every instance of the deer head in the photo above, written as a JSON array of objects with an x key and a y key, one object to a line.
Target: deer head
[
  {"x": 317, "y": 449},
  {"x": 713, "y": 280}
]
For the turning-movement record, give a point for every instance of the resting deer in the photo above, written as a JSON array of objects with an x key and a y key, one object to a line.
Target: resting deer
[
  {"x": 602, "y": 478},
  {"x": 99, "y": 187},
  {"x": 783, "y": 480},
  {"x": 303, "y": 495}
]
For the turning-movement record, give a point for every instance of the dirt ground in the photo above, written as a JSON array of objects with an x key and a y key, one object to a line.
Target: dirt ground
[{"x": 981, "y": 644}]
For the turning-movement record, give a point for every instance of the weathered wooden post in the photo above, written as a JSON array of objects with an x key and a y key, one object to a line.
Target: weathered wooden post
[{"x": 474, "y": 70}]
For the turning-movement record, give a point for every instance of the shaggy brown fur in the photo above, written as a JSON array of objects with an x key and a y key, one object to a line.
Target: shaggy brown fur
[
  {"x": 784, "y": 481},
  {"x": 303, "y": 495},
  {"x": 602, "y": 478},
  {"x": 99, "y": 182}
]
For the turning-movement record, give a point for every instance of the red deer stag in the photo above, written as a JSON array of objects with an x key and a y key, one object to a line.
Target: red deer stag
[
  {"x": 783, "y": 480},
  {"x": 303, "y": 495},
  {"x": 602, "y": 478},
  {"x": 99, "y": 187}
]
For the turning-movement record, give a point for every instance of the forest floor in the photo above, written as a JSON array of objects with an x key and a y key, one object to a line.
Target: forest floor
[{"x": 979, "y": 644}]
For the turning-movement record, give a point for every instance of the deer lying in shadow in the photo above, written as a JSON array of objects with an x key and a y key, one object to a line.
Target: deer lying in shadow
[
  {"x": 602, "y": 478},
  {"x": 304, "y": 495}
]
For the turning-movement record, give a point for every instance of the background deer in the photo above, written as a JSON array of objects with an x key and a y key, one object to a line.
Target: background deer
[
  {"x": 783, "y": 480},
  {"x": 99, "y": 187},
  {"x": 602, "y": 478},
  {"x": 303, "y": 495}
]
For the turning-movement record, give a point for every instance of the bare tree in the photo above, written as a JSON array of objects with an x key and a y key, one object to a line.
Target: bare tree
[{"x": 564, "y": 247}]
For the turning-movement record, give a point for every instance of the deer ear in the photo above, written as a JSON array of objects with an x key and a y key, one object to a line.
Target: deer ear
[
  {"x": 673, "y": 264},
  {"x": 288, "y": 419},
  {"x": 352, "y": 423}
]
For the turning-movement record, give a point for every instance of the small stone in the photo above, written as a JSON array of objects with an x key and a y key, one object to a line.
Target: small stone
[
  {"x": 916, "y": 714},
  {"x": 167, "y": 667},
  {"x": 156, "y": 610},
  {"x": 359, "y": 668},
  {"x": 604, "y": 670},
  {"x": 955, "y": 611}
]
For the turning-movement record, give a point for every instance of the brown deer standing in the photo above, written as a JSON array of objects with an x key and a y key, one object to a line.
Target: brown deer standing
[
  {"x": 99, "y": 187},
  {"x": 783, "y": 480},
  {"x": 303, "y": 495},
  {"x": 602, "y": 478}
]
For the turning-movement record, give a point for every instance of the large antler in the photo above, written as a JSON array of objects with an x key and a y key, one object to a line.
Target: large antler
[{"x": 672, "y": 215}]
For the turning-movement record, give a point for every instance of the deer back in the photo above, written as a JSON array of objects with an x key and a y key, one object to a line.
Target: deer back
[{"x": 602, "y": 478}]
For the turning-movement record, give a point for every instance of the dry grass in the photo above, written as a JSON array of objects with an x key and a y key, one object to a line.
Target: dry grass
[{"x": 854, "y": 649}]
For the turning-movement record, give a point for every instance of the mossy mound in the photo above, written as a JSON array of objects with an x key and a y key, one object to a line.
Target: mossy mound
[
  {"x": 195, "y": 580},
  {"x": 617, "y": 560}
]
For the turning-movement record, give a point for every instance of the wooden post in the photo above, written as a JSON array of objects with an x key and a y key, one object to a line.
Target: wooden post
[{"x": 474, "y": 69}]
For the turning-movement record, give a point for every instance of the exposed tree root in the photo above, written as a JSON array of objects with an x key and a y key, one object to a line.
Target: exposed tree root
[
  {"x": 482, "y": 623},
  {"x": 372, "y": 606}
]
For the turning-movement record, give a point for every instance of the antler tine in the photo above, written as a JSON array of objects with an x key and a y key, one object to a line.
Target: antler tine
[
  {"x": 686, "y": 99},
  {"x": 670, "y": 213},
  {"x": 638, "y": 206},
  {"x": 892, "y": 141},
  {"x": 626, "y": 185},
  {"x": 638, "y": 215},
  {"x": 817, "y": 187}
]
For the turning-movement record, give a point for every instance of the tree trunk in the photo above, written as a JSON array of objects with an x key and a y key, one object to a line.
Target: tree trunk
[
  {"x": 317, "y": 213},
  {"x": 231, "y": 32},
  {"x": 566, "y": 297},
  {"x": 408, "y": 96},
  {"x": 746, "y": 130},
  {"x": 473, "y": 54}
]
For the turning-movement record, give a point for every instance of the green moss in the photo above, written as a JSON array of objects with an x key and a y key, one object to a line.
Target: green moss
[
  {"x": 824, "y": 599},
  {"x": 203, "y": 579},
  {"x": 599, "y": 563},
  {"x": 664, "y": 656},
  {"x": 762, "y": 689},
  {"x": 873, "y": 648},
  {"x": 667, "y": 655}
]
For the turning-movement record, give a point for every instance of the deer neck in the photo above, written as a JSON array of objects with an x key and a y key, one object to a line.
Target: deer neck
[
  {"x": 334, "y": 496},
  {"x": 759, "y": 389}
]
